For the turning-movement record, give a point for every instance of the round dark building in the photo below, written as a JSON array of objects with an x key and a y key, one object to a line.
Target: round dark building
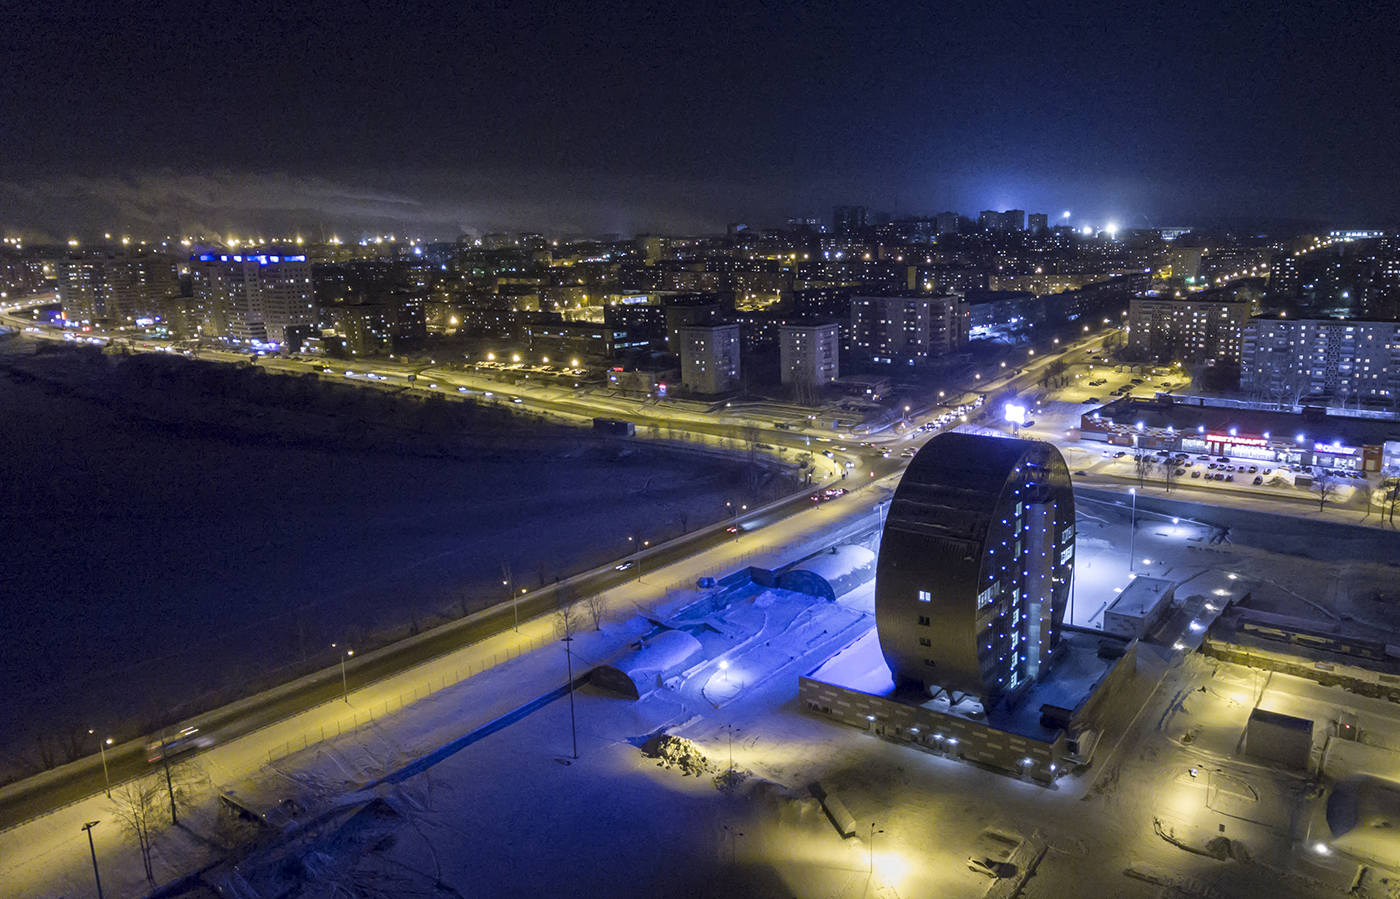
[{"x": 975, "y": 565}]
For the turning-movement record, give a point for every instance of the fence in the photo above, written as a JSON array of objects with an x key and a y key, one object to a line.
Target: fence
[{"x": 347, "y": 723}]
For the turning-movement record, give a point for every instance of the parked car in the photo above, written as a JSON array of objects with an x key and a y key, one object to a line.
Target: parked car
[
  {"x": 1195, "y": 474},
  {"x": 1258, "y": 479}
]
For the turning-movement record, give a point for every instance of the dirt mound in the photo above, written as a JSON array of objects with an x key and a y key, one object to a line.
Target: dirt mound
[{"x": 677, "y": 752}]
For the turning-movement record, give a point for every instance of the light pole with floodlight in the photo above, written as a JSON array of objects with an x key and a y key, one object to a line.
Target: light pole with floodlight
[
  {"x": 93, "y": 849},
  {"x": 102, "y": 747},
  {"x": 873, "y": 831},
  {"x": 1132, "y": 534},
  {"x": 344, "y": 684},
  {"x": 573, "y": 722}
]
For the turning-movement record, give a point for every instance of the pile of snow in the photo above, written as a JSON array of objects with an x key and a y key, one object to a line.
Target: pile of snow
[{"x": 676, "y": 752}]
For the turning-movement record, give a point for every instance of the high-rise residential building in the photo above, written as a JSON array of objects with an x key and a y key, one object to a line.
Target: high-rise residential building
[
  {"x": 1010, "y": 220},
  {"x": 907, "y": 330},
  {"x": 248, "y": 298},
  {"x": 1199, "y": 327},
  {"x": 947, "y": 222},
  {"x": 975, "y": 566},
  {"x": 709, "y": 357},
  {"x": 1038, "y": 222},
  {"x": 848, "y": 220},
  {"x": 116, "y": 289},
  {"x": 1290, "y": 360},
  {"x": 809, "y": 354},
  {"x": 1380, "y": 297}
]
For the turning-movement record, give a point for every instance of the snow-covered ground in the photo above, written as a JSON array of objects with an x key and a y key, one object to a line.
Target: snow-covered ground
[{"x": 513, "y": 814}]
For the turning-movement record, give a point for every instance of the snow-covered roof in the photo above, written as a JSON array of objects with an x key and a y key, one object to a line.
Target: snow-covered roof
[
  {"x": 830, "y": 574},
  {"x": 638, "y": 672}
]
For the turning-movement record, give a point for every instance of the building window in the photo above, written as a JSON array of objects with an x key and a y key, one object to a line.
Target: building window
[
  {"x": 924, "y": 621},
  {"x": 925, "y": 641},
  {"x": 925, "y": 596},
  {"x": 930, "y": 663}
]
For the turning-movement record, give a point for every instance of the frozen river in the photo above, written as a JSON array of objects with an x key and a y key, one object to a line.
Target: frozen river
[{"x": 150, "y": 569}]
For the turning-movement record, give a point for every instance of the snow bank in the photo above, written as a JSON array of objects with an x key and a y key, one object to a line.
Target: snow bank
[{"x": 636, "y": 674}]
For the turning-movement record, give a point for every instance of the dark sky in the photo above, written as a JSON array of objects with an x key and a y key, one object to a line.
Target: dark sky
[{"x": 436, "y": 118}]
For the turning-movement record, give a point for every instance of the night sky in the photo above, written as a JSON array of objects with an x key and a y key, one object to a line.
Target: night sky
[{"x": 434, "y": 119}]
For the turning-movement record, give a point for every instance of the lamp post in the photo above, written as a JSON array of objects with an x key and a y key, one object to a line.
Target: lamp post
[
  {"x": 344, "y": 684},
  {"x": 102, "y": 747},
  {"x": 873, "y": 831},
  {"x": 733, "y": 843},
  {"x": 724, "y": 668},
  {"x": 93, "y": 849},
  {"x": 569, "y": 656},
  {"x": 1132, "y": 535}
]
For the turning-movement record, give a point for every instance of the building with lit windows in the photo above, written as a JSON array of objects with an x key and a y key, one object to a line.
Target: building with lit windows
[
  {"x": 970, "y": 657},
  {"x": 809, "y": 354},
  {"x": 1198, "y": 327},
  {"x": 1294, "y": 360},
  {"x": 907, "y": 330},
  {"x": 252, "y": 298},
  {"x": 975, "y": 565},
  {"x": 709, "y": 358},
  {"x": 116, "y": 289}
]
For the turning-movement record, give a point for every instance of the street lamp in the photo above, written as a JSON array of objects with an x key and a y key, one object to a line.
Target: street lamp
[
  {"x": 724, "y": 667},
  {"x": 1132, "y": 535},
  {"x": 102, "y": 747},
  {"x": 873, "y": 831},
  {"x": 93, "y": 849},
  {"x": 344, "y": 684},
  {"x": 569, "y": 657}
]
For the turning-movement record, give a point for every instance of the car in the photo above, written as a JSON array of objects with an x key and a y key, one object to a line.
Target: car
[
  {"x": 908, "y": 454},
  {"x": 850, "y": 464},
  {"x": 1180, "y": 472},
  {"x": 432, "y": 387},
  {"x": 816, "y": 497},
  {"x": 461, "y": 390},
  {"x": 1092, "y": 399},
  {"x": 624, "y": 566},
  {"x": 1268, "y": 471},
  {"x": 829, "y": 454},
  {"x": 1211, "y": 466},
  {"x": 1029, "y": 424},
  {"x": 1230, "y": 478},
  {"x": 516, "y": 399},
  {"x": 1258, "y": 479},
  {"x": 733, "y": 529},
  {"x": 1222, "y": 458},
  {"x": 327, "y": 371},
  {"x": 1195, "y": 474},
  {"x": 884, "y": 454},
  {"x": 1120, "y": 454},
  {"x": 833, "y": 492},
  {"x": 174, "y": 744},
  {"x": 1203, "y": 458},
  {"x": 1253, "y": 469}
]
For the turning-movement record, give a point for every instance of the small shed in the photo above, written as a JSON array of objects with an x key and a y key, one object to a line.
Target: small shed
[
  {"x": 1139, "y": 607},
  {"x": 1276, "y": 737}
]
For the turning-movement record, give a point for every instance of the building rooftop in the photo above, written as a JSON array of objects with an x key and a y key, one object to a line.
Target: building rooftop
[
  {"x": 1195, "y": 415},
  {"x": 1076, "y": 671},
  {"x": 1141, "y": 596}
]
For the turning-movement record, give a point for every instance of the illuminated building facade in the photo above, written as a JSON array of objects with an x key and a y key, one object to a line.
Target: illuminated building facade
[
  {"x": 1193, "y": 328},
  {"x": 975, "y": 566},
  {"x": 907, "y": 330},
  {"x": 252, "y": 298},
  {"x": 1289, "y": 360},
  {"x": 809, "y": 354}
]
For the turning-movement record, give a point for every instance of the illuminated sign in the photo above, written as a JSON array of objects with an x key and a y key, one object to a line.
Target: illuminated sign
[
  {"x": 1016, "y": 413},
  {"x": 1237, "y": 441},
  {"x": 1335, "y": 449}
]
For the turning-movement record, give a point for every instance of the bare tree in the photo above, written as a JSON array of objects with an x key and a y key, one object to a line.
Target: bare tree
[
  {"x": 1391, "y": 497},
  {"x": 1143, "y": 463},
  {"x": 1325, "y": 486},
  {"x": 567, "y": 616},
  {"x": 597, "y": 608},
  {"x": 1169, "y": 471},
  {"x": 136, "y": 806}
]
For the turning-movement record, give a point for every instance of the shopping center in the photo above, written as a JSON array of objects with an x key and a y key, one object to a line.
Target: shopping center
[{"x": 1315, "y": 436}]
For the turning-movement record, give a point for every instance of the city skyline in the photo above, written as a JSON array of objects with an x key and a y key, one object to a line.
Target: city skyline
[{"x": 640, "y": 119}]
